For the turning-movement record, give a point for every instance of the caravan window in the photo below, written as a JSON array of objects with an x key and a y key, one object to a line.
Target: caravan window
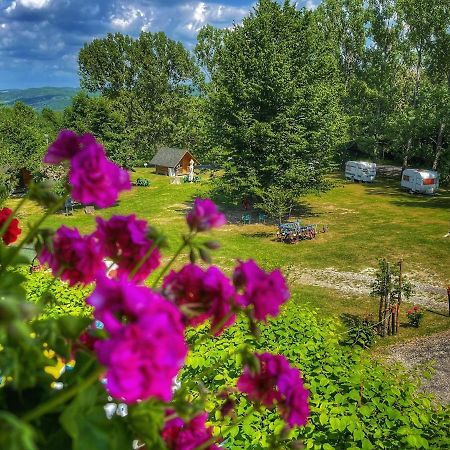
[
  {"x": 405, "y": 177},
  {"x": 429, "y": 181}
]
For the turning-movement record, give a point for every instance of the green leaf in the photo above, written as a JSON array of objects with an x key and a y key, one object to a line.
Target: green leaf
[
  {"x": 86, "y": 423},
  {"x": 15, "y": 434},
  {"x": 146, "y": 419},
  {"x": 72, "y": 326}
]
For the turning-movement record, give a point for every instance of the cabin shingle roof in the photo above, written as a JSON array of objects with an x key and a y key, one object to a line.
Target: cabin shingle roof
[{"x": 169, "y": 157}]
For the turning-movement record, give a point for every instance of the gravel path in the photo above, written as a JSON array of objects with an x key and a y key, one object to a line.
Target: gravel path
[
  {"x": 434, "y": 349},
  {"x": 427, "y": 295}
]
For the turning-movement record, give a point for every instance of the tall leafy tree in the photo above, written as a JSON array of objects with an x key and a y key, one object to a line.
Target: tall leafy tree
[
  {"x": 148, "y": 80},
  {"x": 275, "y": 102}
]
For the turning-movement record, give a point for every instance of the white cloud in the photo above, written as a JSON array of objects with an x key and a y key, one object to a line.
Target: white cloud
[
  {"x": 311, "y": 4},
  {"x": 193, "y": 16},
  {"x": 11, "y": 8},
  {"x": 129, "y": 16},
  {"x": 200, "y": 12},
  {"x": 33, "y": 4}
]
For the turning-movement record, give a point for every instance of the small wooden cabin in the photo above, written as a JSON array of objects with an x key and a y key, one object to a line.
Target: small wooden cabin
[{"x": 172, "y": 161}]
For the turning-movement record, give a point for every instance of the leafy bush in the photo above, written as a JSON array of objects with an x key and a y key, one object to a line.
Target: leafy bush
[
  {"x": 414, "y": 316},
  {"x": 355, "y": 401},
  {"x": 59, "y": 298},
  {"x": 143, "y": 182},
  {"x": 360, "y": 331}
]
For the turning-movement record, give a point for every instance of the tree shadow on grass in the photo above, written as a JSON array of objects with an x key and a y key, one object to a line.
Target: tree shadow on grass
[
  {"x": 441, "y": 201},
  {"x": 261, "y": 234},
  {"x": 404, "y": 199}
]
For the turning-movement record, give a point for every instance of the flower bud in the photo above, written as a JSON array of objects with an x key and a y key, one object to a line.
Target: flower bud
[{"x": 212, "y": 245}]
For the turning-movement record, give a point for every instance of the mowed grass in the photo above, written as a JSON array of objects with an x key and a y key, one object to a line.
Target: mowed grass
[{"x": 366, "y": 222}]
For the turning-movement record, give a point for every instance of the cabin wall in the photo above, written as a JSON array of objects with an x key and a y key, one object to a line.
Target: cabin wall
[
  {"x": 161, "y": 170},
  {"x": 184, "y": 164}
]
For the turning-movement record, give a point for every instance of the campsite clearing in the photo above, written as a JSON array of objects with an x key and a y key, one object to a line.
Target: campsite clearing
[{"x": 366, "y": 222}]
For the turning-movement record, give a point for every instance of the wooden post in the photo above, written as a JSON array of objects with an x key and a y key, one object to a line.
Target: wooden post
[
  {"x": 380, "y": 314},
  {"x": 387, "y": 303},
  {"x": 400, "y": 287},
  {"x": 448, "y": 295}
]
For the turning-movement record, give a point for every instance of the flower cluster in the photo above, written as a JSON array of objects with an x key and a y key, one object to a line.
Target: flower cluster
[
  {"x": 146, "y": 348},
  {"x": 124, "y": 239},
  {"x": 94, "y": 179},
  {"x": 12, "y": 231},
  {"x": 74, "y": 258},
  {"x": 265, "y": 292},
  {"x": 202, "y": 295},
  {"x": 178, "y": 435},
  {"x": 204, "y": 216},
  {"x": 414, "y": 316},
  {"x": 142, "y": 344},
  {"x": 277, "y": 383}
]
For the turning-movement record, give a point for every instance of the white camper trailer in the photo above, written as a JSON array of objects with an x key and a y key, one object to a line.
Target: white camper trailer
[
  {"x": 360, "y": 171},
  {"x": 421, "y": 181}
]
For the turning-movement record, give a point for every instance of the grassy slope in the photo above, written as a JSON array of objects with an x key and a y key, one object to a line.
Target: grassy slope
[
  {"x": 366, "y": 222},
  {"x": 56, "y": 98}
]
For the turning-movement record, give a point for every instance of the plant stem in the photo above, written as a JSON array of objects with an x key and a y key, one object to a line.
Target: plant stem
[
  {"x": 213, "y": 440},
  {"x": 183, "y": 245},
  {"x": 143, "y": 259},
  {"x": 33, "y": 231},
  {"x": 58, "y": 400}
]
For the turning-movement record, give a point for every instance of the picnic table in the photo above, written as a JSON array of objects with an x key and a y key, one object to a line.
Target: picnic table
[{"x": 292, "y": 232}]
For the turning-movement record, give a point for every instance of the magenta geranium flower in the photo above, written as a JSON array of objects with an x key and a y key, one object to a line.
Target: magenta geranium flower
[
  {"x": 266, "y": 292},
  {"x": 179, "y": 435},
  {"x": 276, "y": 383},
  {"x": 146, "y": 347},
  {"x": 125, "y": 240},
  {"x": 95, "y": 179},
  {"x": 118, "y": 301},
  {"x": 75, "y": 258},
  {"x": 202, "y": 295},
  {"x": 204, "y": 215},
  {"x": 66, "y": 146}
]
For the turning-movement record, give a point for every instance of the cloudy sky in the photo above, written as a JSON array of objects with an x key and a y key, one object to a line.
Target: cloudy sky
[{"x": 40, "y": 39}]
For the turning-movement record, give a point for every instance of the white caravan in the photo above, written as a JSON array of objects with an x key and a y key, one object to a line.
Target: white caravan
[
  {"x": 421, "y": 181},
  {"x": 360, "y": 171}
]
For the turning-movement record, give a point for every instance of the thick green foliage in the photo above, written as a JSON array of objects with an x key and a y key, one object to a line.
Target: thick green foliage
[
  {"x": 275, "y": 102},
  {"x": 59, "y": 299},
  {"x": 355, "y": 401},
  {"x": 23, "y": 138},
  {"x": 146, "y": 86}
]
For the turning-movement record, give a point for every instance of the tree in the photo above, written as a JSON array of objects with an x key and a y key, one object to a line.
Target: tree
[
  {"x": 148, "y": 81},
  {"x": 23, "y": 139},
  {"x": 275, "y": 102}
]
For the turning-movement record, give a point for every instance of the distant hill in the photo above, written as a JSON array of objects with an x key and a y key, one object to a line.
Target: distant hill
[{"x": 56, "y": 98}]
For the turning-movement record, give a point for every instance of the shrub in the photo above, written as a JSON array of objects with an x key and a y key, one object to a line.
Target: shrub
[
  {"x": 414, "y": 316},
  {"x": 360, "y": 331},
  {"x": 58, "y": 297},
  {"x": 355, "y": 401},
  {"x": 143, "y": 182}
]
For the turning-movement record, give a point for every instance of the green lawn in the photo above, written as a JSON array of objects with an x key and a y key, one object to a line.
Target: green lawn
[{"x": 366, "y": 222}]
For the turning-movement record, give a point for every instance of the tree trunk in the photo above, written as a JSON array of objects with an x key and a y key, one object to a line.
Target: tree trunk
[
  {"x": 400, "y": 288},
  {"x": 414, "y": 104},
  {"x": 406, "y": 156},
  {"x": 387, "y": 303},
  {"x": 439, "y": 146}
]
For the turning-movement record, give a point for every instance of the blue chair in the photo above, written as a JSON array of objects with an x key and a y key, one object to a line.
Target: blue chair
[
  {"x": 262, "y": 218},
  {"x": 246, "y": 219}
]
